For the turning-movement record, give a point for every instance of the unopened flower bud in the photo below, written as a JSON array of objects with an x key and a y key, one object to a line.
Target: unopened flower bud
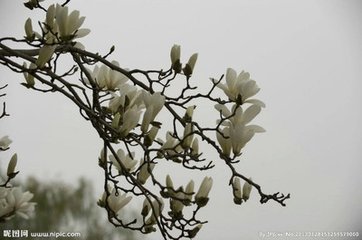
[
  {"x": 188, "y": 137},
  {"x": 175, "y": 58},
  {"x": 5, "y": 142},
  {"x": 246, "y": 190},
  {"x": 190, "y": 65},
  {"x": 45, "y": 54},
  {"x": 150, "y": 136},
  {"x": 195, "y": 147},
  {"x": 29, "y": 30},
  {"x": 145, "y": 172},
  {"x": 201, "y": 196},
  {"x": 145, "y": 208},
  {"x": 193, "y": 232},
  {"x": 11, "y": 166},
  {"x": 237, "y": 191}
]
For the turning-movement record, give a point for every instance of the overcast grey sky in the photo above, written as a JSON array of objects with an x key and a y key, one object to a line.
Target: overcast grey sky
[{"x": 305, "y": 55}]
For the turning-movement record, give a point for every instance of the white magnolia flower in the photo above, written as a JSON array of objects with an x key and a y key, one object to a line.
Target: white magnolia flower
[
  {"x": 201, "y": 196},
  {"x": 146, "y": 207},
  {"x": 45, "y": 54},
  {"x": 145, "y": 171},
  {"x": 190, "y": 65},
  {"x": 29, "y": 29},
  {"x": 12, "y": 165},
  {"x": 224, "y": 140},
  {"x": 171, "y": 146},
  {"x": 158, "y": 206},
  {"x": 16, "y": 201},
  {"x": 189, "y": 113},
  {"x": 177, "y": 205},
  {"x": 240, "y": 87},
  {"x": 195, "y": 147},
  {"x": 151, "y": 135},
  {"x": 189, "y": 191},
  {"x": 246, "y": 191},
  {"x": 127, "y": 161},
  {"x": 128, "y": 97},
  {"x": 107, "y": 78},
  {"x": 175, "y": 58},
  {"x": 5, "y": 142},
  {"x": 69, "y": 24},
  {"x": 154, "y": 103},
  {"x": 188, "y": 137},
  {"x": 130, "y": 120},
  {"x": 236, "y": 132},
  {"x": 29, "y": 78},
  {"x": 116, "y": 201},
  {"x": 237, "y": 191}
]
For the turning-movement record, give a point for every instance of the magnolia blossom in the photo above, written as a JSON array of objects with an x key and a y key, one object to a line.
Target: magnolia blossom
[
  {"x": 5, "y": 142},
  {"x": 189, "y": 191},
  {"x": 237, "y": 191},
  {"x": 175, "y": 58},
  {"x": 107, "y": 78},
  {"x": 130, "y": 120},
  {"x": 239, "y": 88},
  {"x": 151, "y": 135},
  {"x": 69, "y": 24},
  {"x": 190, "y": 65},
  {"x": 45, "y": 54},
  {"x": 158, "y": 206},
  {"x": 188, "y": 137},
  {"x": 116, "y": 201},
  {"x": 29, "y": 78},
  {"x": 11, "y": 166},
  {"x": 145, "y": 171},
  {"x": 154, "y": 103},
  {"x": 195, "y": 147},
  {"x": 236, "y": 132},
  {"x": 128, "y": 97},
  {"x": 246, "y": 191},
  {"x": 16, "y": 201},
  {"x": 177, "y": 205},
  {"x": 126, "y": 160},
  {"x": 201, "y": 196},
  {"x": 170, "y": 147}
]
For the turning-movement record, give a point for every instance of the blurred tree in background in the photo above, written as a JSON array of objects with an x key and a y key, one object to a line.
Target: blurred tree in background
[{"x": 67, "y": 208}]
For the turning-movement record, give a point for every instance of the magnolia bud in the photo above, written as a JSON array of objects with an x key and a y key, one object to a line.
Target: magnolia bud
[
  {"x": 29, "y": 30},
  {"x": 189, "y": 68},
  {"x": 45, "y": 54},
  {"x": 11, "y": 166},
  {"x": 188, "y": 137},
  {"x": 175, "y": 58},
  {"x": 150, "y": 136},
  {"x": 195, "y": 147},
  {"x": 237, "y": 191},
  {"x": 189, "y": 191},
  {"x": 201, "y": 196},
  {"x": 189, "y": 113},
  {"x": 5, "y": 142},
  {"x": 246, "y": 190},
  {"x": 115, "y": 121},
  {"x": 29, "y": 78},
  {"x": 146, "y": 207},
  {"x": 145, "y": 172},
  {"x": 193, "y": 232}
]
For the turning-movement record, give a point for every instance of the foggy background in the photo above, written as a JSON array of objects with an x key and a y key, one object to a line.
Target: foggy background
[{"x": 306, "y": 57}]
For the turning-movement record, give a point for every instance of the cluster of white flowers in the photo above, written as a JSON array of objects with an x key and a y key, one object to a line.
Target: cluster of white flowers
[
  {"x": 15, "y": 201},
  {"x": 59, "y": 26},
  {"x": 12, "y": 199},
  {"x": 235, "y": 133},
  {"x": 239, "y": 193}
]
